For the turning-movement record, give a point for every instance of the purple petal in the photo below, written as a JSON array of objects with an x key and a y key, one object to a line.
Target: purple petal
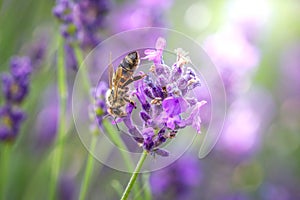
[
  {"x": 174, "y": 106},
  {"x": 162, "y": 152},
  {"x": 194, "y": 118}
]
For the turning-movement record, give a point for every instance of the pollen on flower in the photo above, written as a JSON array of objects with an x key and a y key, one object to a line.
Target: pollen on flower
[{"x": 182, "y": 58}]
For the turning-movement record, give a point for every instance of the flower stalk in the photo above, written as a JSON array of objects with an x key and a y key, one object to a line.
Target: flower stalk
[
  {"x": 63, "y": 95},
  {"x": 5, "y": 158},
  {"x": 134, "y": 176},
  {"x": 90, "y": 160},
  {"x": 88, "y": 170}
]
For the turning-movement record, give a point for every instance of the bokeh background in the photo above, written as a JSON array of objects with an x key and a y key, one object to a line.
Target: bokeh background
[{"x": 254, "y": 44}]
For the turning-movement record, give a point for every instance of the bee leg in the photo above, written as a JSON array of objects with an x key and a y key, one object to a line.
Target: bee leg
[
  {"x": 126, "y": 98},
  {"x": 132, "y": 79},
  {"x": 132, "y": 103}
]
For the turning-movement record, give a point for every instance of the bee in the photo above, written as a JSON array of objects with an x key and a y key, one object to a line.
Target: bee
[{"x": 117, "y": 96}]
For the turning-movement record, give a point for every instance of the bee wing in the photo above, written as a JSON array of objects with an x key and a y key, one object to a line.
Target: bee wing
[
  {"x": 117, "y": 79},
  {"x": 110, "y": 72}
]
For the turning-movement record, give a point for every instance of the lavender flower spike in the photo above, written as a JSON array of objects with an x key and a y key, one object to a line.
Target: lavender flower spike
[
  {"x": 99, "y": 108},
  {"x": 10, "y": 121},
  {"x": 165, "y": 97},
  {"x": 15, "y": 86}
]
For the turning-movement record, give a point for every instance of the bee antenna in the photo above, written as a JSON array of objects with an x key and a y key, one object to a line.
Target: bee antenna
[
  {"x": 117, "y": 124},
  {"x": 106, "y": 116}
]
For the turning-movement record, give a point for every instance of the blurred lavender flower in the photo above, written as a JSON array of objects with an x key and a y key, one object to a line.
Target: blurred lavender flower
[
  {"x": 289, "y": 71},
  {"x": 99, "y": 107},
  {"x": 46, "y": 126},
  {"x": 87, "y": 22},
  {"x": 15, "y": 86},
  {"x": 37, "y": 52},
  {"x": 37, "y": 48},
  {"x": 164, "y": 98},
  {"x": 177, "y": 180},
  {"x": 81, "y": 22},
  {"x": 10, "y": 121},
  {"x": 276, "y": 192},
  {"x": 243, "y": 125},
  {"x": 251, "y": 16},
  {"x": 89, "y": 18},
  {"x": 233, "y": 197},
  {"x": 64, "y": 13},
  {"x": 234, "y": 56},
  {"x": 67, "y": 188},
  {"x": 139, "y": 14},
  {"x": 285, "y": 189}
]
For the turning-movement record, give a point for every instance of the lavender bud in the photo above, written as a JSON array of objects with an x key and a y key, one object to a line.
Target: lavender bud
[
  {"x": 176, "y": 72},
  {"x": 147, "y": 107},
  {"x": 162, "y": 80},
  {"x": 148, "y": 93},
  {"x": 162, "y": 152},
  {"x": 182, "y": 83},
  {"x": 145, "y": 116}
]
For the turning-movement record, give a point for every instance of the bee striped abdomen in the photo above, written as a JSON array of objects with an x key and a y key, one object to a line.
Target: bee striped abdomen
[{"x": 130, "y": 62}]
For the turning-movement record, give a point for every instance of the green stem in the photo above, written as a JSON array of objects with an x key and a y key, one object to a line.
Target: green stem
[
  {"x": 134, "y": 176},
  {"x": 90, "y": 162},
  {"x": 63, "y": 94},
  {"x": 5, "y": 152},
  {"x": 1, "y": 5},
  {"x": 88, "y": 170},
  {"x": 83, "y": 69},
  {"x": 147, "y": 191},
  {"x": 117, "y": 187}
]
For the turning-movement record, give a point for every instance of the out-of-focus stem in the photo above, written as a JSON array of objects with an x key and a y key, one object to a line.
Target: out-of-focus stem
[
  {"x": 88, "y": 170},
  {"x": 4, "y": 161},
  {"x": 63, "y": 95},
  {"x": 83, "y": 69},
  {"x": 90, "y": 160},
  {"x": 147, "y": 191},
  {"x": 115, "y": 137}
]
